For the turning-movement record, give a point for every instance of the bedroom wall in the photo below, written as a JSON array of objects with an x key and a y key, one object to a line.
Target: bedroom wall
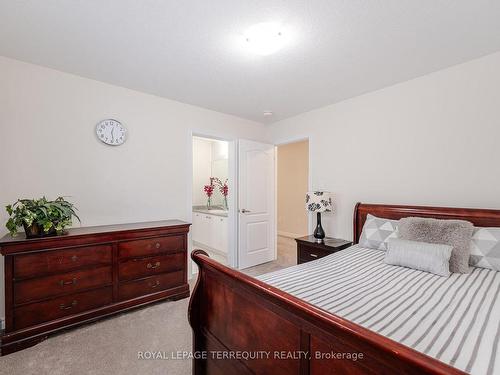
[
  {"x": 433, "y": 140},
  {"x": 292, "y": 184},
  {"x": 48, "y": 146}
]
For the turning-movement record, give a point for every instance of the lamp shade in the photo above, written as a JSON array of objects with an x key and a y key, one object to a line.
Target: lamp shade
[{"x": 318, "y": 201}]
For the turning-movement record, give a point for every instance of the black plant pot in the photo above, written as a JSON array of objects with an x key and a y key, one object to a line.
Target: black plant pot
[{"x": 36, "y": 231}]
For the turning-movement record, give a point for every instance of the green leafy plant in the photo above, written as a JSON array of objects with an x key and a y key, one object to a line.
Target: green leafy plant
[{"x": 40, "y": 217}]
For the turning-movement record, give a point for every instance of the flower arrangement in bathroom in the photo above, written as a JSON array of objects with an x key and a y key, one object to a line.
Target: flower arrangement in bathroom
[
  {"x": 209, "y": 190},
  {"x": 224, "y": 190}
]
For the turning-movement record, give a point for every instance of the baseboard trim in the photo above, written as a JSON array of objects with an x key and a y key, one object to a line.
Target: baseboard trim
[{"x": 289, "y": 235}]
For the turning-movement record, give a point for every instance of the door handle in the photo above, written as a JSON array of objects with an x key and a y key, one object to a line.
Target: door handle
[{"x": 243, "y": 211}]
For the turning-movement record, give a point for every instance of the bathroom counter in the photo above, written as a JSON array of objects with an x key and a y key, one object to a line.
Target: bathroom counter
[{"x": 216, "y": 210}]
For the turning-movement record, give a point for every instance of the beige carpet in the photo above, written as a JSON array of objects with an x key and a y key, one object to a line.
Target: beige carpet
[
  {"x": 111, "y": 346},
  {"x": 287, "y": 256}
]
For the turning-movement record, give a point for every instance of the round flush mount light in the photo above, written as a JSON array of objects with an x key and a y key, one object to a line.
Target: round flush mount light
[{"x": 265, "y": 38}]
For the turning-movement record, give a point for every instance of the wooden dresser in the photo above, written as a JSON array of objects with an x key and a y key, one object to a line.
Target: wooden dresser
[{"x": 54, "y": 283}]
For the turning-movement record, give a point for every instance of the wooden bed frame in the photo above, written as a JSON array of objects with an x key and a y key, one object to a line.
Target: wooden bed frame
[{"x": 244, "y": 326}]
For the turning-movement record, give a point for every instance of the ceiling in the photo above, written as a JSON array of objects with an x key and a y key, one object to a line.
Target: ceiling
[{"x": 190, "y": 50}]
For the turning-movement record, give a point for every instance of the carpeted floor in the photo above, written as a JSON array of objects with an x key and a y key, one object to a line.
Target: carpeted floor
[
  {"x": 287, "y": 256},
  {"x": 111, "y": 346}
]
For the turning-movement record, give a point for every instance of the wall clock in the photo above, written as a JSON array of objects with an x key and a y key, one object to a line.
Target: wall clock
[{"x": 111, "y": 132}]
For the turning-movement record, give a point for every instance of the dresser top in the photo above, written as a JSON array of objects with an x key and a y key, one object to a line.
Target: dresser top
[{"x": 82, "y": 231}]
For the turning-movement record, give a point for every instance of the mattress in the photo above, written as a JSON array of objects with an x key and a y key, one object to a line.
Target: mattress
[{"x": 454, "y": 319}]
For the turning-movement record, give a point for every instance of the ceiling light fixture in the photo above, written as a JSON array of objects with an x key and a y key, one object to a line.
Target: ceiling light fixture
[
  {"x": 267, "y": 113},
  {"x": 265, "y": 38}
]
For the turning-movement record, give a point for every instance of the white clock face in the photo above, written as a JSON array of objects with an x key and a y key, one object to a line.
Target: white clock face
[{"x": 111, "y": 132}]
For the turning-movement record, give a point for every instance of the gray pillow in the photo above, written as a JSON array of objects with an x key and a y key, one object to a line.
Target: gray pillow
[
  {"x": 485, "y": 248},
  {"x": 456, "y": 233},
  {"x": 377, "y": 231},
  {"x": 421, "y": 256}
]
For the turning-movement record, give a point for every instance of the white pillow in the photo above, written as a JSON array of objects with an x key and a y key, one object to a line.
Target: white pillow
[
  {"x": 377, "y": 231},
  {"x": 485, "y": 248},
  {"x": 423, "y": 256}
]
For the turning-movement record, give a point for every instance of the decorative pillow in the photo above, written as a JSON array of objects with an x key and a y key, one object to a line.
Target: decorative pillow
[
  {"x": 485, "y": 248},
  {"x": 456, "y": 233},
  {"x": 428, "y": 257},
  {"x": 377, "y": 231}
]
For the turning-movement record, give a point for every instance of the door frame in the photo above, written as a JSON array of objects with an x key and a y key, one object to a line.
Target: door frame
[
  {"x": 309, "y": 178},
  {"x": 232, "y": 254}
]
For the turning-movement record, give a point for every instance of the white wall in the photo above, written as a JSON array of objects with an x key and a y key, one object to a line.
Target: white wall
[
  {"x": 48, "y": 146},
  {"x": 202, "y": 169},
  {"x": 434, "y": 140}
]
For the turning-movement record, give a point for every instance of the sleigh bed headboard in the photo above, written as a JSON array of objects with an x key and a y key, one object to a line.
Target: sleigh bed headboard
[{"x": 477, "y": 216}]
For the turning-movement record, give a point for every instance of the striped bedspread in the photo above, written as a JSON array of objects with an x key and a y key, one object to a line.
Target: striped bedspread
[{"x": 455, "y": 319}]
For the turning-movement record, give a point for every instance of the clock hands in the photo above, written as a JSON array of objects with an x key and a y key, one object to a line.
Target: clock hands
[{"x": 106, "y": 132}]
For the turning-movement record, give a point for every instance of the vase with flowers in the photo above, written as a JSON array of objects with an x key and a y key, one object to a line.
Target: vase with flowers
[
  {"x": 224, "y": 190},
  {"x": 209, "y": 190}
]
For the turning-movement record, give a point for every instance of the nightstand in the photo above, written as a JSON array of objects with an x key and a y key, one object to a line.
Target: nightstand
[{"x": 308, "y": 249}]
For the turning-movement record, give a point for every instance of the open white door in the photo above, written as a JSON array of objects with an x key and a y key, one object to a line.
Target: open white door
[{"x": 256, "y": 203}]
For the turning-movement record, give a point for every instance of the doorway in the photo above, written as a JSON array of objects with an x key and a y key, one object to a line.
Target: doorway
[
  {"x": 292, "y": 219},
  {"x": 211, "y": 191},
  {"x": 292, "y": 184}
]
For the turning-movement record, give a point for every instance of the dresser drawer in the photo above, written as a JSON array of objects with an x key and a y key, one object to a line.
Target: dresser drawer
[
  {"x": 49, "y": 262},
  {"x": 137, "y": 288},
  {"x": 143, "y": 267},
  {"x": 151, "y": 246},
  {"x": 36, "y": 313},
  {"x": 61, "y": 284}
]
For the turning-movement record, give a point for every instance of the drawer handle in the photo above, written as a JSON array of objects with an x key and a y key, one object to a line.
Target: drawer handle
[
  {"x": 74, "y": 258},
  {"x": 155, "y": 285},
  {"x": 153, "y": 266},
  {"x": 157, "y": 245},
  {"x": 71, "y": 282},
  {"x": 313, "y": 255},
  {"x": 62, "y": 306}
]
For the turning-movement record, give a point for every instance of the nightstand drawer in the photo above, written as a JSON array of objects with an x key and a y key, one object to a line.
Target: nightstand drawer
[
  {"x": 307, "y": 254},
  {"x": 309, "y": 249}
]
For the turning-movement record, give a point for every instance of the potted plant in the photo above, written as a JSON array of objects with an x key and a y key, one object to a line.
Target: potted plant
[{"x": 40, "y": 217}]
